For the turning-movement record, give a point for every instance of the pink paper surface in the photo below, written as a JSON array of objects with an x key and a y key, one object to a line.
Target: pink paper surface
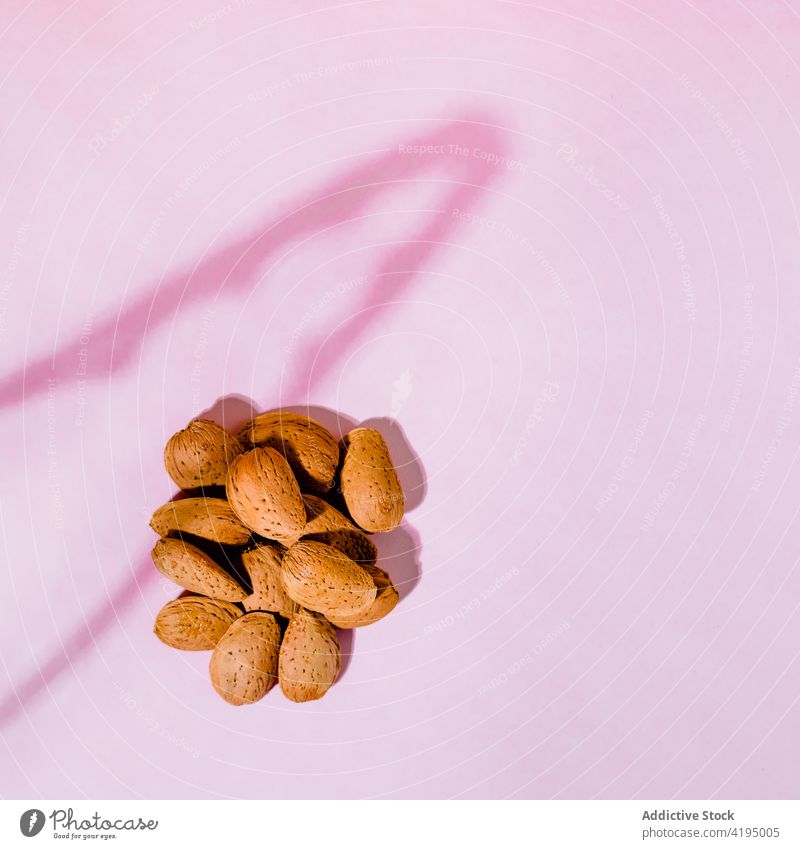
[{"x": 551, "y": 252}]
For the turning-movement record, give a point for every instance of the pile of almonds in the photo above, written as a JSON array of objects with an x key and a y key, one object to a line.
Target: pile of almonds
[{"x": 269, "y": 562}]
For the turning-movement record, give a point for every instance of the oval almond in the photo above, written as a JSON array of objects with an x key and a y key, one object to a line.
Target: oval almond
[
  {"x": 264, "y": 494},
  {"x": 320, "y": 578},
  {"x": 322, "y": 517},
  {"x": 194, "y": 570},
  {"x": 263, "y": 564},
  {"x": 199, "y": 455},
  {"x": 194, "y": 623},
  {"x": 244, "y": 664},
  {"x": 385, "y": 602},
  {"x": 370, "y": 484},
  {"x": 311, "y": 451},
  {"x": 309, "y": 659},
  {"x": 210, "y": 518},
  {"x": 354, "y": 543}
]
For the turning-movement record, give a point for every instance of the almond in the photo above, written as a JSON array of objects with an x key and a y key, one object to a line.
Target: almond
[
  {"x": 319, "y": 577},
  {"x": 263, "y": 564},
  {"x": 199, "y": 455},
  {"x": 210, "y": 518},
  {"x": 354, "y": 543},
  {"x": 325, "y": 523},
  {"x": 194, "y": 623},
  {"x": 385, "y": 602},
  {"x": 194, "y": 570},
  {"x": 244, "y": 664},
  {"x": 309, "y": 448},
  {"x": 370, "y": 484},
  {"x": 309, "y": 660},
  {"x": 321, "y": 516},
  {"x": 264, "y": 494}
]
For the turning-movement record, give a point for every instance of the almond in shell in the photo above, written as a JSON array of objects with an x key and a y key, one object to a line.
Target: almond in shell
[
  {"x": 194, "y": 623},
  {"x": 309, "y": 659},
  {"x": 210, "y": 518},
  {"x": 244, "y": 664},
  {"x": 309, "y": 448},
  {"x": 370, "y": 485},
  {"x": 322, "y": 517},
  {"x": 199, "y": 455},
  {"x": 264, "y": 494},
  {"x": 194, "y": 570},
  {"x": 385, "y": 602},
  {"x": 321, "y": 578},
  {"x": 354, "y": 543},
  {"x": 263, "y": 564}
]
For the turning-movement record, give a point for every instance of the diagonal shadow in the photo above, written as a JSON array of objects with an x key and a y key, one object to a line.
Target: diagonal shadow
[{"x": 234, "y": 270}]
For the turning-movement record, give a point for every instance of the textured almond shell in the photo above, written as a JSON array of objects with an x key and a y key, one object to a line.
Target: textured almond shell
[
  {"x": 244, "y": 664},
  {"x": 194, "y": 623},
  {"x": 320, "y": 578},
  {"x": 210, "y": 518},
  {"x": 322, "y": 517},
  {"x": 199, "y": 455},
  {"x": 311, "y": 451},
  {"x": 263, "y": 564},
  {"x": 385, "y": 602},
  {"x": 354, "y": 543},
  {"x": 264, "y": 494},
  {"x": 194, "y": 570},
  {"x": 309, "y": 660},
  {"x": 370, "y": 484}
]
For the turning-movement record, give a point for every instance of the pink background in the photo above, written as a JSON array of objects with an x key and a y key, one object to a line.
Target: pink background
[{"x": 579, "y": 305}]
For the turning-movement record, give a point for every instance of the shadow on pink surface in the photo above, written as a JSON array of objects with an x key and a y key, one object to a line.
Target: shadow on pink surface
[{"x": 233, "y": 270}]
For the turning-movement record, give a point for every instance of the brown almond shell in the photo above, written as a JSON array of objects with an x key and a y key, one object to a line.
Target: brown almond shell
[
  {"x": 194, "y": 623},
  {"x": 385, "y": 602},
  {"x": 322, "y": 579},
  {"x": 244, "y": 664},
  {"x": 209, "y": 518},
  {"x": 370, "y": 485},
  {"x": 194, "y": 570},
  {"x": 311, "y": 451},
  {"x": 263, "y": 565},
  {"x": 309, "y": 659},
  {"x": 265, "y": 495},
  {"x": 199, "y": 455}
]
